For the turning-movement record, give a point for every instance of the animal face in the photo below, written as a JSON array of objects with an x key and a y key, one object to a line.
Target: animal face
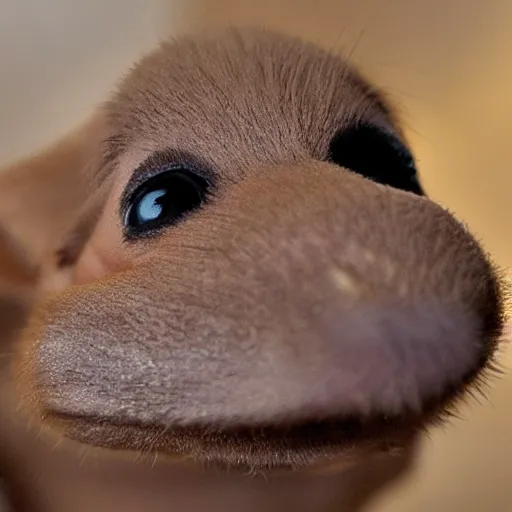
[{"x": 258, "y": 279}]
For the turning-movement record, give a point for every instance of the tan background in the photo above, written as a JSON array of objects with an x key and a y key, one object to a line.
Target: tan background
[{"x": 447, "y": 63}]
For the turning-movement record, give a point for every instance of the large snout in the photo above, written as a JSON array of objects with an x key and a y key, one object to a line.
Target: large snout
[{"x": 301, "y": 295}]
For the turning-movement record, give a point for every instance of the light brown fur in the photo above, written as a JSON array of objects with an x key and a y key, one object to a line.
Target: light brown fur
[{"x": 306, "y": 321}]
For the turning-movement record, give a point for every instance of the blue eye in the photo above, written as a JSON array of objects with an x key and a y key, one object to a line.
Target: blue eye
[
  {"x": 163, "y": 200},
  {"x": 151, "y": 206}
]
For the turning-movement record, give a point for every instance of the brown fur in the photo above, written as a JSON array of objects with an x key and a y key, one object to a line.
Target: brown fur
[{"x": 305, "y": 319}]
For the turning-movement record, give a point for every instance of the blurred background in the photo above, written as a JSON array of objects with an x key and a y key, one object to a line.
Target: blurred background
[{"x": 445, "y": 63}]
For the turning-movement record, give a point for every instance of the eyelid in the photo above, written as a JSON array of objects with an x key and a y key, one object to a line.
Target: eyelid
[{"x": 158, "y": 163}]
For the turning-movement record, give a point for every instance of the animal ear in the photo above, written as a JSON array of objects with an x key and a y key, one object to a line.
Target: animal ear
[{"x": 43, "y": 197}]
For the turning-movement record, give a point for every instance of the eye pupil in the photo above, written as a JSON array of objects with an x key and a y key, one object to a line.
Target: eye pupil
[{"x": 164, "y": 200}]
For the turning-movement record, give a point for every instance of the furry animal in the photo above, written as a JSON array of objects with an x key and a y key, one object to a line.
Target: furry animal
[{"x": 233, "y": 266}]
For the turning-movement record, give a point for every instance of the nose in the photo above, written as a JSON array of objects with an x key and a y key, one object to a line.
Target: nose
[
  {"x": 304, "y": 294},
  {"x": 355, "y": 299}
]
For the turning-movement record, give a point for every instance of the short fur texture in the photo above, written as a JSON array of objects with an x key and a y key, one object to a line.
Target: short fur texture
[{"x": 305, "y": 317}]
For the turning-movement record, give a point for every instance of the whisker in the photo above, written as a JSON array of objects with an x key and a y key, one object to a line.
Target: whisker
[{"x": 349, "y": 56}]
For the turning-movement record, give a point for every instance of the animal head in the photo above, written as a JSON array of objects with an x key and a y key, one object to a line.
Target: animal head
[{"x": 256, "y": 277}]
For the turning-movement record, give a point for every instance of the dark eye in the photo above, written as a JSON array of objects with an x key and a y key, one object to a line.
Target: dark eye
[
  {"x": 377, "y": 155},
  {"x": 163, "y": 200}
]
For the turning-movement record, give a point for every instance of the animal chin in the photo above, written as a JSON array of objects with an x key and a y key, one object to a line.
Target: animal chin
[
  {"x": 292, "y": 447},
  {"x": 299, "y": 446},
  {"x": 306, "y": 443}
]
